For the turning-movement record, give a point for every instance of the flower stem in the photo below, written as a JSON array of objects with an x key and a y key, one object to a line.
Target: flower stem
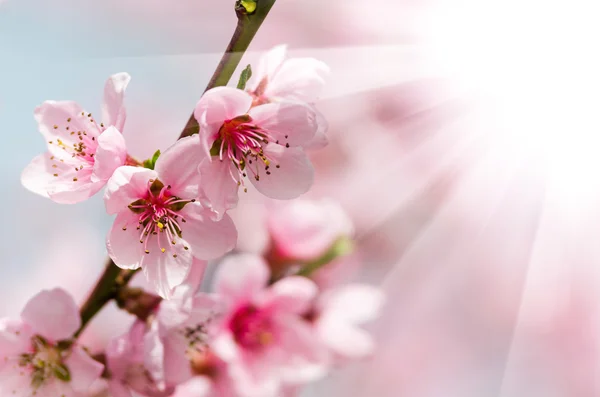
[
  {"x": 250, "y": 15},
  {"x": 247, "y": 25},
  {"x": 106, "y": 288}
]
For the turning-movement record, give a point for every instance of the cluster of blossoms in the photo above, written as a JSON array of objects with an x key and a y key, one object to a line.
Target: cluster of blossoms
[{"x": 270, "y": 324}]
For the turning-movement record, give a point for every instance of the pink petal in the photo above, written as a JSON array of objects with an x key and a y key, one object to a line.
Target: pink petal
[
  {"x": 344, "y": 339},
  {"x": 300, "y": 79},
  {"x": 208, "y": 239},
  {"x": 177, "y": 364},
  {"x": 292, "y": 294},
  {"x": 154, "y": 352},
  {"x": 14, "y": 338},
  {"x": 127, "y": 185},
  {"x": 84, "y": 369},
  {"x": 58, "y": 119},
  {"x": 38, "y": 174},
  {"x": 117, "y": 389},
  {"x": 268, "y": 65},
  {"x": 353, "y": 303},
  {"x": 218, "y": 189},
  {"x": 52, "y": 314},
  {"x": 303, "y": 357},
  {"x": 113, "y": 110},
  {"x": 68, "y": 191},
  {"x": 178, "y": 167},
  {"x": 241, "y": 276},
  {"x": 216, "y": 106},
  {"x": 65, "y": 182},
  {"x": 294, "y": 176},
  {"x": 225, "y": 347},
  {"x": 110, "y": 155},
  {"x": 222, "y": 103},
  {"x": 199, "y": 386},
  {"x": 164, "y": 271},
  {"x": 320, "y": 140},
  {"x": 124, "y": 246},
  {"x": 307, "y": 229},
  {"x": 49, "y": 177},
  {"x": 193, "y": 281},
  {"x": 295, "y": 121}
]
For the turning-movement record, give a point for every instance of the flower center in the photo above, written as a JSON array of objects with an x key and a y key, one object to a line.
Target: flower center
[
  {"x": 252, "y": 328},
  {"x": 45, "y": 361},
  {"x": 79, "y": 148},
  {"x": 158, "y": 216},
  {"x": 242, "y": 142}
]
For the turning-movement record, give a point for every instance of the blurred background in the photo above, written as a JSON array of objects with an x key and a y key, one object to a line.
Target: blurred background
[{"x": 464, "y": 146}]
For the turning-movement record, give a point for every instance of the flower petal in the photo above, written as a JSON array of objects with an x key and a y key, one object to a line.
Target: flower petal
[
  {"x": 216, "y": 106},
  {"x": 320, "y": 140},
  {"x": 194, "y": 279},
  {"x": 38, "y": 174},
  {"x": 225, "y": 347},
  {"x": 222, "y": 103},
  {"x": 62, "y": 120},
  {"x": 52, "y": 314},
  {"x": 291, "y": 173},
  {"x": 123, "y": 241},
  {"x": 208, "y": 239},
  {"x": 110, "y": 155},
  {"x": 289, "y": 123},
  {"x": 166, "y": 270},
  {"x": 113, "y": 110},
  {"x": 353, "y": 303},
  {"x": 268, "y": 65},
  {"x": 127, "y": 185},
  {"x": 303, "y": 357},
  {"x": 219, "y": 189},
  {"x": 178, "y": 167},
  {"x": 73, "y": 187},
  {"x": 292, "y": 294},
  {"x": 240, "y": 276},
  {"x": 344, "y": 339},
  {"x": 300, "y": 79},
  {"x": 177, "y": 368},
  {"x": 14, "y": 338},
  {"x": 84, "y": 369}
]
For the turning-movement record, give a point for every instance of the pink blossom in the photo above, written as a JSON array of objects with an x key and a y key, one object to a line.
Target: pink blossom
[
  {"x": 33, "y": 362},
  {"x": 262, "y": 334},
  {"x": 340, "y": 311},
  {"x": 211, "y": 378},
  {"x": 278, "y": 79},
  {"x": 178, "y": 337},
  {"x": 263, "y": 144},
  {"x": 82, "y": 153},
  {"x": 160, "y": 225},
  {"x": 125, "y": 360},
  {"x": 306, "y": 229}
]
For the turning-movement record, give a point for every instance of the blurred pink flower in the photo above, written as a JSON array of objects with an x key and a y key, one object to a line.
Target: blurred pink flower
[
  {"x": 125, "y": 361},
  {"x": 306, "y": 229},
  {"x": 263, "y": 143},
  {"x": 82, "y": 154},
  {"x": 158, "y": 209},
  {"x": 33, "y": 362},
  {"x": 340, "y": 311},
  {"x": 178, "y": 335},
  {"x": 262, "y": 334},
  {"x": 278, "y": 79}
]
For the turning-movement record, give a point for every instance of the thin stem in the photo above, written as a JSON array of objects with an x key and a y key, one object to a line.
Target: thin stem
[
  {"x": 106, "y": 289},
  {"x": 247, "y": 26}
]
